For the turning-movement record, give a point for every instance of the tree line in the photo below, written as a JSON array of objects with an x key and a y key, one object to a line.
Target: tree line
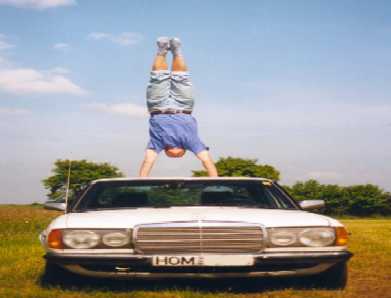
[{"x": 356, "y": 200}]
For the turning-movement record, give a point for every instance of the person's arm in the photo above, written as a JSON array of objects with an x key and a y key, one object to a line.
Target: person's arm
[
  {"x": 208, "y": 163},
  {"x": 148, "y": 162}
]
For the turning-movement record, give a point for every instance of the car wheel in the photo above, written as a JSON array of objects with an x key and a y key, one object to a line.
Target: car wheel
[
  {"x": 54, "y": 274},
  {"x": 335, "y": 277}
]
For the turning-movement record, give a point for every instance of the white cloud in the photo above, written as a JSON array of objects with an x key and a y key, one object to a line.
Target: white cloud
[
  {"x": 127, "y": 38},
  {"x": 2, "y": 60},
  {"x": 98, "y": 35},
  {"x": 61, "y": 46},
  {"x": 123, "y": 39},
  {"x": 60, "y": 70},
  {"x": 27, "y": 80},
  {"x": 19, "y": 80},
  {"x": 128, "y": 109},
  {"x": 4, "y": 43},
  {"x": 38, "y": 4},
  {"x": 13, "y": 111}
]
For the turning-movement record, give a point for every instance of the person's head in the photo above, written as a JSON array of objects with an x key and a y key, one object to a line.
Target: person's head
[{"x": 175, "y": 152}]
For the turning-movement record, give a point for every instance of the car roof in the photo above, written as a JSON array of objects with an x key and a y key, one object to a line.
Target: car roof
[{"x": 181, "y": 179}]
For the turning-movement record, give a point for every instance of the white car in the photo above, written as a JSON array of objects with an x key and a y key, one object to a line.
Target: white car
[{"x": 195, "y": 228}]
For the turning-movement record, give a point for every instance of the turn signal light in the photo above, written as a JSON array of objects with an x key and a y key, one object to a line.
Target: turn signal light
[
  {"x": 341, "y": 236},
  {"x": 55, "y": 239}
]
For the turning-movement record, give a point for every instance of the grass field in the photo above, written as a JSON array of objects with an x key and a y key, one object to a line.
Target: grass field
[{"x": 21, "y": 267}]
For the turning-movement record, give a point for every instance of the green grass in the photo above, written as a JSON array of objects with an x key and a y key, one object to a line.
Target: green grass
[{"x": 21, "y": 267}]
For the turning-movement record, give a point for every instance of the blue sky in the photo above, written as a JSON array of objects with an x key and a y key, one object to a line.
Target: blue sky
[{"x": 301, "y": 85}]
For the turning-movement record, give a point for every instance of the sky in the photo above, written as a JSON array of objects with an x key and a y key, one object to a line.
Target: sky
[{"x": 304, "y": 86}]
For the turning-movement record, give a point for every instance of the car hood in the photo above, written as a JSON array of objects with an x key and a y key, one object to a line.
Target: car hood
[{"x": 128, "y": 218}]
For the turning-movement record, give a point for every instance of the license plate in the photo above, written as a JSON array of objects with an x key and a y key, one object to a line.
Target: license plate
[{"x": 205, "y": 260}]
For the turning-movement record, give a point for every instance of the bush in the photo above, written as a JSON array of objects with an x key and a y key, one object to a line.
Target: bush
[
  {"x": 82, "y": 173},
  {"x": 241, "y": 167},
  {"x": 357, "y": 200}
]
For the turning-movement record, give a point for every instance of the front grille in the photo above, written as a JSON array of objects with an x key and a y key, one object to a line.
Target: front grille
[{"x": 199, "y": 238}]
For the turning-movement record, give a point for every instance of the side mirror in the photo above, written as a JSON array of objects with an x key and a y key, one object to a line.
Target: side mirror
[
  {"x": 55, "y": 205},
  {"x": 312, "y": 204}
]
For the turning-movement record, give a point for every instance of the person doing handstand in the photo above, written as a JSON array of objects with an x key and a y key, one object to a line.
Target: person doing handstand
[{"x": 170, "y": 103}]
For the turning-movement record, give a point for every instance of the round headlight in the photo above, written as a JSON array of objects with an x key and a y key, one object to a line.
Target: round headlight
[
  {"x": 115, "y": 239},
  {"x": 283, "y": 238},
  {"x": 317, "y": 237},
  {"x": 81, "y": 239}
]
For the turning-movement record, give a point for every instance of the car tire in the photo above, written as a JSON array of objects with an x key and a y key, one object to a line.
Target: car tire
[
  {"x": 54, "y": 275},
  {"x": 335, "y": 277}
]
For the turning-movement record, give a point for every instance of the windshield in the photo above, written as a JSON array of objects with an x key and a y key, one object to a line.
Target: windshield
[{"x": 162, "y": 194}]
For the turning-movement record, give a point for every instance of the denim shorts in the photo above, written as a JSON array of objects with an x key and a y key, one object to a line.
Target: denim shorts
[{"x": 170, "y": 90}]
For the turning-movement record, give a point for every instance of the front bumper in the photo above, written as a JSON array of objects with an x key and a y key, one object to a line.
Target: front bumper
[{"x": 140, "y": 266}]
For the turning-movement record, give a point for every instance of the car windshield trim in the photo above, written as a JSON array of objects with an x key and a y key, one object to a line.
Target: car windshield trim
[{"x": 180, "y": 206}]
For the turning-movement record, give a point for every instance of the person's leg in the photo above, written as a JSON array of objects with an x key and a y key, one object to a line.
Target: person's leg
[
  {"x": 208, "y": 163},
  {"x": 148, "y": 162},
  {"x": 181, "y": 85},
  {"x": 178, "y": 62},
  {"x": 160, "y": 63},
  {"x": 159, "y": 85},
  {"x": 163, "y": 45}
]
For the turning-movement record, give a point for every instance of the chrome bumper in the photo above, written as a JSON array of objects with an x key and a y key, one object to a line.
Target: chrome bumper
[{"x": 140, "y": 266}]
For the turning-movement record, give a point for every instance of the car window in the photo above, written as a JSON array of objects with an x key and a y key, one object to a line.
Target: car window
[{"x": 138, "y": 194}]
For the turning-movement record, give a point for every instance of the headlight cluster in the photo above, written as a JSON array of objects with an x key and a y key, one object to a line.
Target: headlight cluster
[
  {"x": 296, "y": 237},
  {"x": 82, "y": 239}
]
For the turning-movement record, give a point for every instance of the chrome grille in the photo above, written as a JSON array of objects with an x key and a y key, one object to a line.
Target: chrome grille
[{"x": 199, "y": 238}]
